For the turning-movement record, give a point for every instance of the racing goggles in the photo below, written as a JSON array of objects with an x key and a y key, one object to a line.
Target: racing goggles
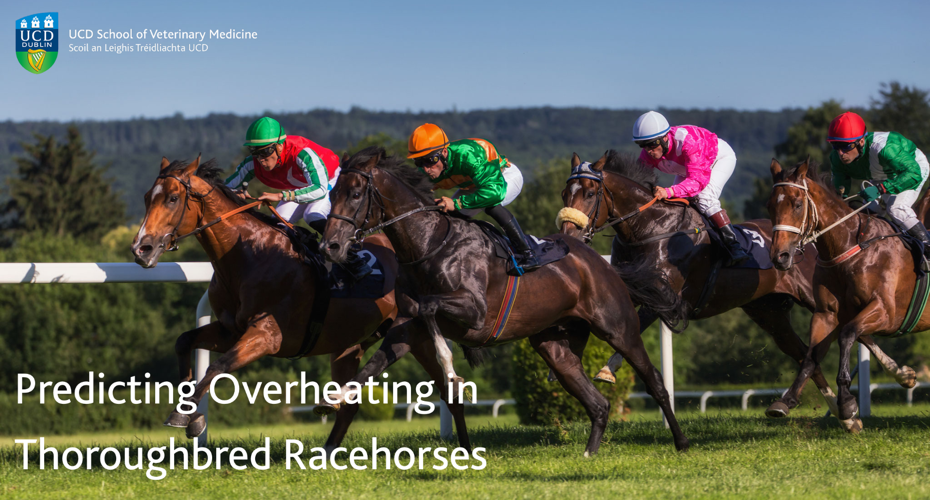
[
  {"x": 649, "y": 144},
  {"x": 843, "y": 147},
  {"x": 428, "y": 160},
  {"x": 260, "y": 153}
]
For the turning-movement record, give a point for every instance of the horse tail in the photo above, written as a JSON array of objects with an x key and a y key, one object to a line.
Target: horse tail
[
  {"x": 474, "y": 355},
  {"x": 650, "y": 289}
]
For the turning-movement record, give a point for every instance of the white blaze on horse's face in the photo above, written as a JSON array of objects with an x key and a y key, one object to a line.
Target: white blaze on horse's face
[
  {"x": 575, "y": 187},
  {"x": 781, "y": 198}
]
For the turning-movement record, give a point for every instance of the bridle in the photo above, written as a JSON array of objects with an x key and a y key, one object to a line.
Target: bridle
[
  {"x": 583, "y": 171},
  {"x": 374, "y": 196},
  {"x": 811, "y": 218},
  {"x": 190, "y": 193}
]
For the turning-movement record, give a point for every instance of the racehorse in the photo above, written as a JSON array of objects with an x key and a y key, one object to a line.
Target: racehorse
[
  {"x": 864, "y": 280},
  {"x": 451, "y": 284},
  {"x": 261, "y": 292},
  {"x": 613, "y": 193}
]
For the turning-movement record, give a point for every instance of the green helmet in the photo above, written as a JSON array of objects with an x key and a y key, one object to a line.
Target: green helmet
[{"x": 263, "y": 132}]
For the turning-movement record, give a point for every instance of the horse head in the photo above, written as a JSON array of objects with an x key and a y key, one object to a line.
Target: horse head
[
  {"x": 171, "y": 208},
  {"x": 792, "y": 210},
  {"x": 354, "y": 207},
  {"x": 586, "y": 207}
]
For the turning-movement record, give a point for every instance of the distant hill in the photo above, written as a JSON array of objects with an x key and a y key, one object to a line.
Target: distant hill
[{"x": 528, "y": 136}]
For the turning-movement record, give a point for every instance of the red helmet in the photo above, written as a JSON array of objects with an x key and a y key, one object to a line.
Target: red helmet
[{"x": 847, "y": 127}]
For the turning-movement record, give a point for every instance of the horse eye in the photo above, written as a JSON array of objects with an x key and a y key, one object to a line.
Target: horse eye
[
  {"x": 173, "y": 198},
  {"x": 356, "y": 195},
  {"x": 797, "y": 204},
  {"x": 589, "y": 194}
]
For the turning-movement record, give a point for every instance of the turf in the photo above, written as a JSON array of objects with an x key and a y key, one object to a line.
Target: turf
[{"x": 733, "y": 454}]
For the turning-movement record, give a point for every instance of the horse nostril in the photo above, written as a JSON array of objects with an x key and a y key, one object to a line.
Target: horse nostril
[
  {"x": 144, "y": 249},
  {"x": 333, "y": 246}
]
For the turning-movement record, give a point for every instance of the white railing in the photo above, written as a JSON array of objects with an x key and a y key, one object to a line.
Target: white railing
[{"x": 202, "y": 272}]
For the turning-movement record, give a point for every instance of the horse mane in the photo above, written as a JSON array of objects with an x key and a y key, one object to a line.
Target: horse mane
[
  {"x": 630, "y": 167},
  {"x": 211, "y": 172},
  {"x": 414, "y": 178}
]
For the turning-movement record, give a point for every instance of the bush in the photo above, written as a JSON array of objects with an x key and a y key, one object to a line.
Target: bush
[{"x": 542, "y": 402}]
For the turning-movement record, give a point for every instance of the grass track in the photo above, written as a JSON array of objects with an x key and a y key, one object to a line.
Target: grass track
[{"x": 733, "y": 454}]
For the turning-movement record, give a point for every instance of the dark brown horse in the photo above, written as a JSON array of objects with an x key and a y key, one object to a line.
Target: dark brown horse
[
  {"x": 261, "y": 292},
  {"x": 451, "y": 286},
  {"x": 666, "y": 234},
  {"x": 858, "y": 290}
]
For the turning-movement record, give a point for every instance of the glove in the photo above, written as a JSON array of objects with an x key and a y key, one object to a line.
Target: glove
[{"x": 869, "y": 194}]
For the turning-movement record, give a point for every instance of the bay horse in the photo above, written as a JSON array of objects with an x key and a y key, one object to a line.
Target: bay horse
[
  {"x": 674, "y": 239},
  {"x": 261, "y": 292},
  {"x": 451, "y": 285},
  {"x": 863, "y": 282}
]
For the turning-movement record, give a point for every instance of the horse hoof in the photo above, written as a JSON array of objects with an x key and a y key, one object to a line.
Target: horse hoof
[
  {"x": 682, "y": 445},
  {"x": 178, "y": 420},
  {"x": 777, "y": 410},
  {"x": 909, "y": 379},
  {"x": 852, "y": 426},
  {"x": 324, "y": 409},
  {"x": 197, "y": 426},
  {"x": 605, "y": 376}
]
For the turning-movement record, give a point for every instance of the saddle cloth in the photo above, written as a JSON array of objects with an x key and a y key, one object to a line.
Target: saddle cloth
[{"x": 547, "y": 251}]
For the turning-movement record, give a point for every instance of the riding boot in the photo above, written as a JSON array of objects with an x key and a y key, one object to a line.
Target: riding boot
[
  {"x": 737, "y": 254},
  {"x": 512, "y": 228},
  {"x": 920, "y": 232},
  {"x": 356, "y": 266}
]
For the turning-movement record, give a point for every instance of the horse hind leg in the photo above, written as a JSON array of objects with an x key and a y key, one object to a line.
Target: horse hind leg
[
  {"x": 213, "y": 337},
  {"x": 904, "y": 375},
  {"x": 617, "y": 327},
  {"x": 563, "y": 355},
  {"x": 608, "y": 374}
]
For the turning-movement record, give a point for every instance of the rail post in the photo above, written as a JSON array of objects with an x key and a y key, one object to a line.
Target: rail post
[{"x": 202, "y": 359}]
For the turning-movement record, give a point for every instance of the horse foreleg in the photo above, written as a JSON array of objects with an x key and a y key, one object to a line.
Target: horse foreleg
[
  {"x": 212, "y": 337},
  {"x": 255, "y": 343},
  {"x": 905, "y": 375},
  {"x": 608, "y": 373},
  {"x": 562, "y": 352},
  {"x": 458, "y": 305},
  {"x": 773, "y": 314},
  {"x": 870, "y": 319},
  {"x": 423, "y": 349},
  {"x": 823, "y": 324},
  {"x": 343, "y": 366}
]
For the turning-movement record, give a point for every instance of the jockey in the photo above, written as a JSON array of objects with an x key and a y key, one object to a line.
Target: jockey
[
  {"x": 302, "y": 169},
  {"x": 485, "y": 180},
  {"x": 702, "y": 163},
  {"x": 897, "y": 169}
]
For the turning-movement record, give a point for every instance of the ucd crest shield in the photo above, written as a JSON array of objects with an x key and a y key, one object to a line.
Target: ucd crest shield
[{"x": 37, "y": 41}]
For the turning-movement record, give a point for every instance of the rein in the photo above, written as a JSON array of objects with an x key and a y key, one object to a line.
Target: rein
[
  {"x": 191, "y": 193},
  {"x": 808, "y": 229},
  {"x": 584, "y": 171}
]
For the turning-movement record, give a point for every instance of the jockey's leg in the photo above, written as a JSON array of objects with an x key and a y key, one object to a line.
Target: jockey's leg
[
  {"x": 900, "y": 209},
  {"x": 290, "y": 211},
  {"x": 315, "y": 215},
  {"x": 508, "y": 222},
  {"x": 708, "y": 201}
]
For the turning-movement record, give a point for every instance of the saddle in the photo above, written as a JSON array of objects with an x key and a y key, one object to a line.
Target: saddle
[
  {"x": 547, "y": 251},
  {"x": 751, "y": 241}
]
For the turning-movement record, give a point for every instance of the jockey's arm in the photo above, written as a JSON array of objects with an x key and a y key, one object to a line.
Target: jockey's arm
[
  {"x": 315, "y": 172},
  {"x": 490, "y": 188},
  {"x": 902, "y": 169},
  {"x": 245, "y": 172}
]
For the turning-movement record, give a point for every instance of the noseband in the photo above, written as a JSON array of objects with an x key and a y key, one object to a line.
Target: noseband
[
  {"x": 809, "y": 224},
  {"x": 584, "y": 171}
]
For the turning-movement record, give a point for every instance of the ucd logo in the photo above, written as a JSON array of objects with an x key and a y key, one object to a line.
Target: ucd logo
[{"x": 37, "y": 41}]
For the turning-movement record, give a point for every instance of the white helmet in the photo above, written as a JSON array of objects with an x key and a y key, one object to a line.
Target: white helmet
[{"x": 649, "y": 126}]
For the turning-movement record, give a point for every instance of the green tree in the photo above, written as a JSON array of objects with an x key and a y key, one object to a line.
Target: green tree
[
  {"x": 395, "y": 147},
  {"x": 61, "y": 192},
  {"x": 905, "y": 110},
  {"x": 808, "y": 137},
  {"x": 755, "y": 206}
]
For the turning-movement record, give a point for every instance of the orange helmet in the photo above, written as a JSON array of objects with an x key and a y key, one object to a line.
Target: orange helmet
[{"x": 426, "y": 139}]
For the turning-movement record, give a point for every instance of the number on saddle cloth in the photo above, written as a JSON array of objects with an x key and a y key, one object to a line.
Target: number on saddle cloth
[{"x": 547, "y": 251}]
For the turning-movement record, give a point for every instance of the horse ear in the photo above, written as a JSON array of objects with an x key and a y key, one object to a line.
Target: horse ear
[
  {"x": 775, "y": 168},
  {"x": 190, "y": 169},
  {"x": 164, "y": 163},
  {"x": 802, "y": 169},
  {"x": 371, "y": 163},
  {"x": 575, "y": 160},
  {"x": 599, "y": 164},
  {"x": 345, "y": 158}
]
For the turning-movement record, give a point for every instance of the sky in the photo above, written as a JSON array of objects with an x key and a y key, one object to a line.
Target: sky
[{"x": 438, "y": 56}]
